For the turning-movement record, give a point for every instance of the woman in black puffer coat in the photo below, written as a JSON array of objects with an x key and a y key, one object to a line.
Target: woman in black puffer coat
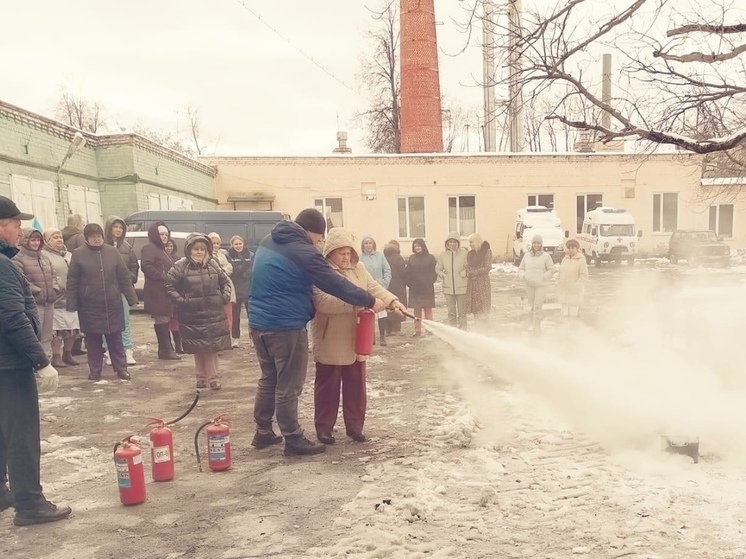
[{"x": 201, "y": 290}]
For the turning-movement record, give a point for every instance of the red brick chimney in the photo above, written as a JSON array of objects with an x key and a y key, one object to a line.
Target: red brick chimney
[{"x": 421, "y": 120}]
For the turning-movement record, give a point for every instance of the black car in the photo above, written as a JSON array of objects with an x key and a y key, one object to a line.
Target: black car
[{"x": 698, "y": 248}]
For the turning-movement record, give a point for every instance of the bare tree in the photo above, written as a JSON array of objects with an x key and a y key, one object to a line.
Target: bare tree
[
  {"x": 455, "y": 119},
  {"x": 680, "y": 63},
  {"x": 77, "y": 111},
  {"x": 194, "y": 128},
  {"x": 379, "y": 76},
  {"x": 166, "y": 139}
]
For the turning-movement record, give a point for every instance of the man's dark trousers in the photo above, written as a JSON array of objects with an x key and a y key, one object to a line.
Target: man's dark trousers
[{"x": 20, "y": 443}]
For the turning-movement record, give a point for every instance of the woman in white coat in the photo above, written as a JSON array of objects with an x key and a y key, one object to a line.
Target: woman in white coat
[{"x": 573, "y": 274}]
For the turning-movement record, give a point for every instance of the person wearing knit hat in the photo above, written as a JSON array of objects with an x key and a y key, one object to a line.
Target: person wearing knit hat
[
  {"x": 65, "y": 324},
  {"x": 96, "y": 281},
  {"x": 286, "y": 267},
  {"x": 536, "y": 269}
]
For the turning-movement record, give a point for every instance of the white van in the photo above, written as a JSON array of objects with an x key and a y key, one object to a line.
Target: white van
[
  {"x": 538, "y": 220},
  {"x": 609, "y": 234}
]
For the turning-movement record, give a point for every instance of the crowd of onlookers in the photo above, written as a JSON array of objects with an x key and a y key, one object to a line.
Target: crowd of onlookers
[{"x": 62, "y": 286}]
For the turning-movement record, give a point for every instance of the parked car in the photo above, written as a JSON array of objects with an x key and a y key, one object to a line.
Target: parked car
[
  {"x": 698, "y": 248},
  {"x": 139, "y": 239},
  {"x": 253, "y": 226}
]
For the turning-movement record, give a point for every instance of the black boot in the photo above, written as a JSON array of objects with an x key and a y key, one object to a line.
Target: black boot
[
  {"x": 57, "y": 361},
  {"x": 382, "y": 330},
  {"x": 77, "y": 347},
  {"x": 177, "y": 342},
  {"x": 165, "y": 349}
]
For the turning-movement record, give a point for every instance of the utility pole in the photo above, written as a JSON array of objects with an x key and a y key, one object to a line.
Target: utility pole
[
  {"x": 515, "y": 93},
  {"x": 488, "y": 74}
]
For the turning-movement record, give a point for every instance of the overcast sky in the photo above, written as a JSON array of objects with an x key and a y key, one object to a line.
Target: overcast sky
[{"x": 146, "y": 59}]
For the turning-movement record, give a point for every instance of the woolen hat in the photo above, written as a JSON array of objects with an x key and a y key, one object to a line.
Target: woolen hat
[
  {"x": 9, "y": 210},
  {"x": 312, "y": 220},
  {"x": 92, "y": 229}
]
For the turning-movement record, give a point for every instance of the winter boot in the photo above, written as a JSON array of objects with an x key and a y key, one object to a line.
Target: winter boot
[
  {"x": 77, "y": 348},
  {"x": 130, "y": 357},
  {"x": 165, "y": 349},
  {"x": 67, "y": 357},
  {"x": 177, "y": 342},
  {"x": 57, "y": 362},
  {"x": 298, "y": 445},
  {"x": 40, "y": 513}
]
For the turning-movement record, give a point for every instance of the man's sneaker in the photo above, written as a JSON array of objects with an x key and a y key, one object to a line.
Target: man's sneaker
[
  {"x": 6, "y": 498},
  {"x": 129, "y": 354},
  {"x": 263, "y": 440},
  {"x": 42, "y": 512},
  {"x": 301, "y": 446}
]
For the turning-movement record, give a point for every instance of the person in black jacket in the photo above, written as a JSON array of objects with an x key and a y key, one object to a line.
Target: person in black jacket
[
  {"x": 421, "y": 276},
  {"x": 155, "y": 265},
  {"x": 21, "y": 354},
  {"x": 200, "y": 290},
  {"x": 115, "y": 232},
  {"x": 96, "y": 281},
  {"x": 242, "y": 260}
]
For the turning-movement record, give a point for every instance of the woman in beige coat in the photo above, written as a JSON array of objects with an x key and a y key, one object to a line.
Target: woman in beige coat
[
  {"x": 333, "y": 329},
  {"x": 573, "y": 274}
]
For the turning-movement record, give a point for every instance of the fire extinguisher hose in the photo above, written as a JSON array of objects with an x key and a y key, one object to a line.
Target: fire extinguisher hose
[
  {"x": 183, "y": 415},
  {"x": 413, "y": 317},
  {"x": 196, "y": 442}
]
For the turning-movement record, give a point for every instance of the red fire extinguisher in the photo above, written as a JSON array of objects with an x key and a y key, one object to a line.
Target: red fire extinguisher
[
  {"x": 162, "y": 446},
  {"x": 130, "y": 472},
  {"x": 161, "y": 451},
  {"x": 365, "y": 333},
  {"x": 218, "y": 444}
]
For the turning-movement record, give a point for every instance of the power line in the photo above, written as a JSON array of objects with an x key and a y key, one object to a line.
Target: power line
[{"x": 300, "y": 50}]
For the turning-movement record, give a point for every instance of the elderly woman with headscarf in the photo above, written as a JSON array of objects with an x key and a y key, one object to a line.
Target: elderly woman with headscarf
[
  {"x": 96, "y": 281},
  {"x": 478, "y": 266},
  {"x": 200, "y": 289},
  {"x": 573, "y": 275},
  {"x": 218, "y": 254},
  {"x": 155, "y": 265},
  {"x": 34, "y": 263},
  {"x": 66, "y": 327},
  {"x": 333, "y": 329},
  {"x": 378, "y": 267}
]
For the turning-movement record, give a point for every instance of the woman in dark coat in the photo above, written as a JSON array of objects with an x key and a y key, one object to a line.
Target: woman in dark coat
[
  {"x": 96, "y": 281},
  {"x": 421, "y": 276},
  {"x": 173, "y": 324},
  {"x": 242, "y": 260},
  {"x": 398, "y": 283},
  {"x": 200, "y": 290},
  {"x": 155, "y": 265},
  {"x": 478, "y": 266}
]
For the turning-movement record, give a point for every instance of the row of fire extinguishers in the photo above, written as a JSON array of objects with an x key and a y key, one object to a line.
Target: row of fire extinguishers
[
  {"x": 128, "y": 455},
  {"x": 129, "y": 462}
]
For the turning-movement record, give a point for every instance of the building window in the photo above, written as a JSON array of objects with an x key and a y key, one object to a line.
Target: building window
[
  {"x": 411, "y": 211},
  {"x": 587, "y": 203},
  {"x": 332, "y": 210},
  {"x": 462, "y": 214},
  {"x": 35, "y": 197},
  {"x": 546, "y": 200},
  {"x": 721, "y": 220},
  {"x": 85, "y": 202},
  {"x": 665, "y": 212}
]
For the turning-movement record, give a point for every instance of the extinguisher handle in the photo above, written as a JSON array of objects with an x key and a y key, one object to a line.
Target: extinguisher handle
[{"x": 196, "y": 442}]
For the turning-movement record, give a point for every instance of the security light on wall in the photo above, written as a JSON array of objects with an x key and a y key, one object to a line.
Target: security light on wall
[{"x": 78, "y": 142}]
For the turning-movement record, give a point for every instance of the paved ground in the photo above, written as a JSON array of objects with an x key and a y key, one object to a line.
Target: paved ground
[{"x": 459, "y": 464}]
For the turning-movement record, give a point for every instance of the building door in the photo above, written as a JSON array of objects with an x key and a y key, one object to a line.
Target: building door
[
  {"x": 86, "y": 202},
  {"x": 587, "y": 203},
  {"x": 36, "y": 197}
]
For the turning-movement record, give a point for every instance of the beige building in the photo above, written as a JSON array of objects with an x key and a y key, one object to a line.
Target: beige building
[{"x": 407, "y": 196}]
